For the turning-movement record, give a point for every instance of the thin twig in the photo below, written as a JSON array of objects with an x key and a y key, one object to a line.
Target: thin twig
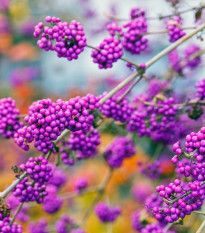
[
  {"x": 200, "y": 229},
  {"x": 16, "y": 213}
]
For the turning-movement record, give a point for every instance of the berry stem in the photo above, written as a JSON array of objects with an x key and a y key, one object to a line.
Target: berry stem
[
  {"x": 16, "y": 213},
  {"x": 129, "y": 88},
  {"x": 200, "y": 229},
  {"x": 152, "y": 61}
]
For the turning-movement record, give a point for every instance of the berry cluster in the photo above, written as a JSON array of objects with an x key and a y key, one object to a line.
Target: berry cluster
[
  {"x": 68, "y": 40},
  {"x": 52, "y": 203},
  {"x": 201, "y": 89},
  {"x": 189, "y": 52},
  {"x": 59, "y": 177},
  {"x": 38, "y": 227},
  {"x": 174, "y": 28},
  {"x": 114, "y": 29},
  {"x": 9, "y": 117},
  {"x": 136, "y": 13},
  {"x": 80, "y": 184},
  {"x": 28, "y": 191},
  {"x": 151, "y": 170},
  {"x": 181, "y": 198},
  {"x": 155, "y": 120},
  {"x": 64, "y": 225},
  {"x": 174, "y": 60},
  {"x": 133, "y": 39},
  {"x": 6, "y": 228},
  {"x": 85, "y": 144},
  {"x": 47, "y": 120},
  {"x": 136, "y": 223},
  {"x": 118, "y": 111},
  {"x": 192, "y": 195},
  {"x": 154, "y": 228},
  {"x": 118, "y": 150},
  {"x": 107, "y": 213},
  {"x": 38, "y": 169},
  {"x": 108, "y": 52}
]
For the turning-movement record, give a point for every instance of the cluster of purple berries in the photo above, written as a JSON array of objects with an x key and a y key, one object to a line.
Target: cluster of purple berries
[
  {"x": 64, "y": 224},
  {"x": 191, "y": 61},
  {"x": 154, "y": 228},
  {"x": 133, "y": 39},
  {"x": 38, "y": 227},
  {"x": 118, "y": 111},
  {"x": 67, "y": 225},
  {"x": 6, "y": 228},
  {"x": 153, "y": 120},
  {"x": 108, "y": 52},
  {"x": 28, "y": 191},
  {"x": 68, "y": 40},
  {"x": 136, "y": 13},
  {"x": 9, "y": 117},
  {"x": 174, "y": 27},
  {"x": 52, "y": 203},
  {"x": 38, "y": 169},
  {"x": 107, "y": 213},
  {"x": 192, "y": 195},
  {"x": 80, "y": 184},
  {"x": 151, "y": 170},
  {"x": 47, "y": 120},
  {"x": 181, "y": 198},
  {"x": 118, "y": 150},
  {"x": 114, "y": 29},
  {"x": 59, "y": 177},
  {"x": 85, "y": 144},
  {"x": 201, "y": 89}
]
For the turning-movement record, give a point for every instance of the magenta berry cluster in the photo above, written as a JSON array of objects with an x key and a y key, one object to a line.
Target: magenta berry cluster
[
  {"x": 106, "y": 213},
  {"x": 64, "y": 224},
  {"x": 38, "y": 169},
  {"x": 136, "y": 13},
  {"x": 174, "y": 27},
  {"x": 118, "y": 150},
  {"x": 52, "y": 203},
  {"x": 84, "y": 143},
  {"x": 48, "y": 119},
  {"x": 151, "y": 170},
  {"x": 114, "y": 29},
  {"x": 67, "y": 40},
  {"x": 154, "y": 228},
  {"x": 133, "y": 39},
  {"x": 80, "y": 184},
  {"x": 9, "y": 118},
  {"x": 38, "y": 227},
  {"x": 192, "y": 62},
  {"x": 6, "y": 228},
  {"x": 108, "y": 52},
  {"x": 201, "y": 89},
  {"x": 192, "y": 195},
  {"x": 119, "y": 111},
  {"x": 27, "y": 191},
  {"x": 153, "y": 120}
]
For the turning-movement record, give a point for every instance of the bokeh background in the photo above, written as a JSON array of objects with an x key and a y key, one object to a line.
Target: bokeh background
[{"x": 28, "y": 74}]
